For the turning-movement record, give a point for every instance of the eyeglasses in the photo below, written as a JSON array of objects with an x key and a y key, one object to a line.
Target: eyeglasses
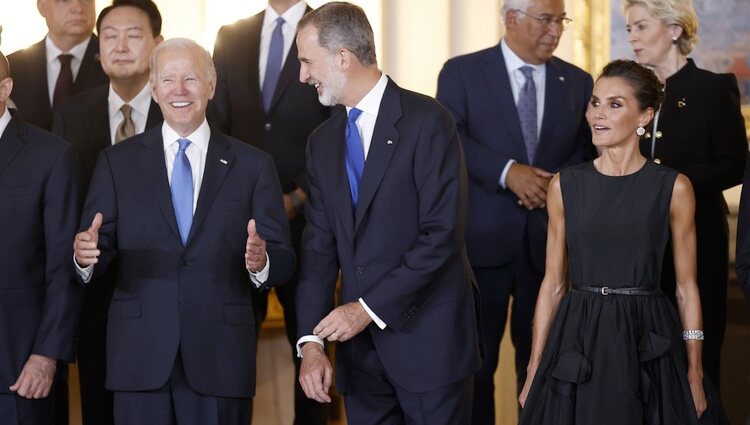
[{"x": 548, "y": 20}]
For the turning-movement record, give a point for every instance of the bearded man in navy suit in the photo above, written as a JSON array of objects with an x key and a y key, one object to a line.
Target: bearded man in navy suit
[{"x": 386, "y": 207}]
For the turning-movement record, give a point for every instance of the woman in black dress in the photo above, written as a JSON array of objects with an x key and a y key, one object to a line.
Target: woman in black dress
[
  {"x": 700, "y": 132},
  {"x": 613, "y": 349}
]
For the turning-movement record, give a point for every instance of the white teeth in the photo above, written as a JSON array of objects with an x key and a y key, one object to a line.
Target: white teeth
[{"x": 180, "y": 104}]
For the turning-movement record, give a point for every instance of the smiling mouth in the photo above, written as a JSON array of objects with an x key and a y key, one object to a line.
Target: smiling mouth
[
  {"x": 600, "y": 128},
  {"x": 180, "y": 104}
]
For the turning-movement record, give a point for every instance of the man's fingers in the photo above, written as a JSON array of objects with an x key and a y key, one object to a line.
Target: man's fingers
[
  {"x": 96, "y": 223},
  {"x": 251, "y": 228}
]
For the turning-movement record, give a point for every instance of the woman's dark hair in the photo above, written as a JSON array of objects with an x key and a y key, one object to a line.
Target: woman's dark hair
[{"x": 649, "y": 91}]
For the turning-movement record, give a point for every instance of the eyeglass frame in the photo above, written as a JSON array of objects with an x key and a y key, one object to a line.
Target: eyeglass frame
[{"x": 548, "y": 20}]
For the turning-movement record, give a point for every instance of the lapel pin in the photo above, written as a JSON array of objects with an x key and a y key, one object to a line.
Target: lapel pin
[
  {"x": 681, "y": 103},
  {"x": 562, "y": 78},
  {"x": 390, "y": 142},
  {"x": 223, "y": 161}
]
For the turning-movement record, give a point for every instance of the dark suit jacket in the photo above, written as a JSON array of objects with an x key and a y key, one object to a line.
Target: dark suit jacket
[
  {"x": 28, "y": 67},
  {"x": 194, "y": 297},
  {"x": 477, "y": 91},
  {"x": 703, "y": 136},
  {"x": 84, "y": 122},
  {"x": 38, "y": 217},
  {"x": 295, "y": 110},
  {"x": 403, "y": 252}
]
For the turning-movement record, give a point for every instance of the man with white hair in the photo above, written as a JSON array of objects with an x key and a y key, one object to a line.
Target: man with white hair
[
  {"x": 520, "y": 115},
  {"x": 196, "y": 222}
]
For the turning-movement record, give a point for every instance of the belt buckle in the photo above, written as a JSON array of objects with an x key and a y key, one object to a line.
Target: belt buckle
[{"x": 604, "y": 290}]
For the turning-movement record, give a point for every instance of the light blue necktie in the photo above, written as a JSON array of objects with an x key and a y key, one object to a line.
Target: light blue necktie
[
  {"x": 273, "y": 64},
  {"x": 182, "y": 190},
  {"x": 355, "y": 155},
  {"x": 527, "y": 112}
]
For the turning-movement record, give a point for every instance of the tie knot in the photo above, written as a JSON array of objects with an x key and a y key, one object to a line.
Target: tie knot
[
  {"x": 126, "y": 109},
  {"x": 183, "y": 144},
  {"x": 527, "y": 71},
  {"x": 279, "y": 22},
  {"x": 65, "y": 59},
  {"x": 354, "y": 114}
]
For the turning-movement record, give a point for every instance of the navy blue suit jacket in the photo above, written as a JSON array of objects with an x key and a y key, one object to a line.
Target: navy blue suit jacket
[
  {"x": 403, "y": 252},
  {"x": 39, "y": 304},
  {"x": 477, "y": 91},
  {"x": 194, "y": 297}
]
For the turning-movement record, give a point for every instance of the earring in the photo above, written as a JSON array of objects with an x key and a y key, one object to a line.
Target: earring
[
  {"x": 640, "y": 131},
  {"x": 674, "y": 40}
]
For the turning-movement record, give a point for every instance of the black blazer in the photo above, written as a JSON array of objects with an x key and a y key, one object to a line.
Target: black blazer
[
  {"x": 39, "y": 305},
  {"x": 403, "y": 252},
  {"x": 84, "y": 122},
  {"x": 701, "y": 133},
  {"x": 295, "y": 109},
  {"x": 28, "y": 67},
  {"x": 196, "y": 297}
]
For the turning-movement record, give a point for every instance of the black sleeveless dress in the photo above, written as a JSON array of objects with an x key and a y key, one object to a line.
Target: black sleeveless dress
[{"x": 617, "y": 358}]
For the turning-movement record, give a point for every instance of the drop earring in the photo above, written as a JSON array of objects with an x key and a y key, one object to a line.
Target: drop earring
[{"x": 640, "y": 131}]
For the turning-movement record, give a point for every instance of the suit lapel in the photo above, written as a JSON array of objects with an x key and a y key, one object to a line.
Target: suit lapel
[
  {"x": 152, "y": 163},
  {"x": 384, "y": 142},
  {"x": 87, "y": 72},
  {"x": 38, "y": 74},
  {"x": 219, "y": 160},
  {"x": 554, "y": 93},
  {"x": 11, "y": 142},
  {"x": 335, "y": 169},
  {"x": 496, "y": 75},
  {"x": 100, "y": 135},
  {"x": 250, "y": 63},
  {"x": 154, "y": 117},
  {"x": 289, "y": 74}
]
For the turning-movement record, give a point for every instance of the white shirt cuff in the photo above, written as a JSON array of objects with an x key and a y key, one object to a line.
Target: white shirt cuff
[
  {"x": 504, "y": 174},
  {"x": 381, "y": 324},
  {"x": 84, "y": 273},
  {"x": 308, "y": 338},
  {"x": 261, "y": 277}
]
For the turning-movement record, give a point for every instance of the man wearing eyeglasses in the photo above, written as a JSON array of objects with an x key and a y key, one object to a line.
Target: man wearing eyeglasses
[{"x": 520, "y": 116}]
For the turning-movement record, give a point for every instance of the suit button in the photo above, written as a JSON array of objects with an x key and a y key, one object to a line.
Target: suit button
[
  {"x": 657, "y": 160},
  {"x": 359, "y": 269},
  {"x": 183, "y": 262},
  {"x": 267, "y": 127}
]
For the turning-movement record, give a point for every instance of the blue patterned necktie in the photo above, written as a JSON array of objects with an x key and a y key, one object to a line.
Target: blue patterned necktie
[
  {"x": 355, "y": 155},
  {"x": 527, "y": 112},
  {"x": 273, "y": 64},
  {"x": 182, "y": 190}
]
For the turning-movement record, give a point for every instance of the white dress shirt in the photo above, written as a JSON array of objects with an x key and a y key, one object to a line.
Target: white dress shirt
[
  {"x": 4, "y": 120},
  {"x": 140, "y": 105},
  {"x": 370, "y": 106},
  {"x": 196, "y": 155},
  {"x": 291, "y": 17},
  {"x": 513, "y": 64},
  {"x": 53, "y": 63}
]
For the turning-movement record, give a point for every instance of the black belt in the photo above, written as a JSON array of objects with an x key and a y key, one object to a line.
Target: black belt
[{"x": 604, "y": 290}]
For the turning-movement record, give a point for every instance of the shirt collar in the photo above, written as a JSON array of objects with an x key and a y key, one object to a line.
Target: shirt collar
[
  {"x": 513, "y": 61},
  {"x": 370, "y": 104},
  {"x": 198, "y": 138},
  {"x": 53, "y": 51},
  {"x": 140, "y": 103},
  {"x": 4, "y": 121},
  {"x": 291, "y": 17}
]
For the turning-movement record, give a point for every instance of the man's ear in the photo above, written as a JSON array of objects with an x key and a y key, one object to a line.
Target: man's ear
[{"x": 6, "y": 87}]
